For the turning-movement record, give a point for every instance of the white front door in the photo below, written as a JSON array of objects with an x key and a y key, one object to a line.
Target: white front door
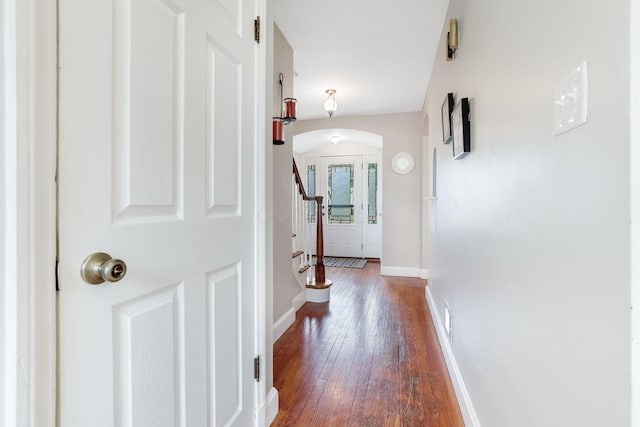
[
  {"x": 157, "y": 142},
  {"x": 341, "y": 184}
]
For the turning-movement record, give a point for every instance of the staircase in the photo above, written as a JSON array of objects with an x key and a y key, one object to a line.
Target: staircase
[{"x": 310, "y": 275}]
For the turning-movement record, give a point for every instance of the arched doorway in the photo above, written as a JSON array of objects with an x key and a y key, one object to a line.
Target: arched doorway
[{"x": 344, "y": 165}]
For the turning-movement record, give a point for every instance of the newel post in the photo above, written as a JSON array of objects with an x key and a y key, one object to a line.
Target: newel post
[{"x": 319, "y": 244}]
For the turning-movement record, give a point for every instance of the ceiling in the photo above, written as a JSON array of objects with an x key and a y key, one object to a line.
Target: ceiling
[{"x": 376, "y": 54}]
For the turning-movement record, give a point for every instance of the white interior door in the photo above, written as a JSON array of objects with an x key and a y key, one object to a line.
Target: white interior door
[
  {"x": 341, "y": 184},
  {"x": 157, "y": 138}
]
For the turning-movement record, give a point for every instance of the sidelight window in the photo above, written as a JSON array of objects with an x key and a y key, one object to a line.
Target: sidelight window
[
  {"x": 372, "y": 193},
  {"x": 311, "y": 191}
]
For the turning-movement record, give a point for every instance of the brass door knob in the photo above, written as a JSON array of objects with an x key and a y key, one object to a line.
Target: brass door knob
[{"x": 100, "y": 267}]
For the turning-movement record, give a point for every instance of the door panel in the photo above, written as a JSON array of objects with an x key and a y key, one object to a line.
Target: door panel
[
  {"x": 157, "y": 141},
  {"x": 224, "y": 342},
  {"x": 149, "y": 355},
  {"x": 148, "y": 143},
  {"x": 341, "y": 182},
  {"x": 224, "y": 88}
]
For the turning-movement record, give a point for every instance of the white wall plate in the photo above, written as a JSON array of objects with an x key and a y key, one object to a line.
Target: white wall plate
[{"x": 570, "y": 100}]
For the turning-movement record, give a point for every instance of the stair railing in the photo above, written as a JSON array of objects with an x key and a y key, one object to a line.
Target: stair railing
[{"x": 301, "y": 213}]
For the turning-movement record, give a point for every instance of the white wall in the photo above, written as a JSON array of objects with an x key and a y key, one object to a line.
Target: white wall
[
  {"x": 401, "y": 203},
  {"x": 285, "y": 287},
  {"x": 532, "y": 245},
  {"x": 7, "y": 408},
  {"x": 426, "y": 193}
]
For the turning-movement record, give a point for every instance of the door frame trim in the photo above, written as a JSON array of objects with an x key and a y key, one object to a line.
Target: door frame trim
[
  {"x": 634, "y": 140},
  {"x": 264, "y": 391},
  {"x": 28, "y": 93}
]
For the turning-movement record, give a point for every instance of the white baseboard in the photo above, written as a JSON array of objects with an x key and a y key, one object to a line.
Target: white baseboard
[
  {"x": 424, "y": 273},
  {"x": 464, "y": 400},
  {"x": 272, "y": 406},
  {"x": 289, "y": 317},
  {"x": 299, "y": 300},
  {"x": 267, "y": 412},
  {"x": 386, "y": 270},
  {"x": 283, "y": 323}
]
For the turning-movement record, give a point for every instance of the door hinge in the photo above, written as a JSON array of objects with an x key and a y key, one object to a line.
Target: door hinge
[
  {"x": 57, "y": 272},
  {"x": 256, "y": 29},
  {"x": 256, "y": 368}
]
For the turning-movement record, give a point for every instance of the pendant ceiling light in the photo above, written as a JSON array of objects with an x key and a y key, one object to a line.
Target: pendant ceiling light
[{"x": 330, "y": 105}]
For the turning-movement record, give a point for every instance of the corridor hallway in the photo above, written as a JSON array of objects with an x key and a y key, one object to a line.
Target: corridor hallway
[{"x": 369, "y": 357}]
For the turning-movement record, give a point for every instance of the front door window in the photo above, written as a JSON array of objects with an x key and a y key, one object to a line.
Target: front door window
[{"x": 340, "y": 194}]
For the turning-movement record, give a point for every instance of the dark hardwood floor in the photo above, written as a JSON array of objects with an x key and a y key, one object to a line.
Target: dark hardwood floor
[{"x": 368, "y": 357}]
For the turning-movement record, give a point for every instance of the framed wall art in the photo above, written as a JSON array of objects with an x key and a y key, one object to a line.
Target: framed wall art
[
  {"x": 447, "y": 106},
  {"x": 461, "y": 129}
]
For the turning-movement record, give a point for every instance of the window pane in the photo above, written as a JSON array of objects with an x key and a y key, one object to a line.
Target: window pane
[
  {"x": 340, "y": 194},
  {"x": 372, "y": 193},
  {"x": 311, "y": 191}
]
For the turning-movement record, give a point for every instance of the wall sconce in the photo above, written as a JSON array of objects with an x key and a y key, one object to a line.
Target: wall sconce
[
  {"x": 452, "y": 39},
  {"x": 278, "y": 133},
  {"x": 330, "y": 105},
  {"x": 290, "y": 110},
  {"x": 335, "y": 139},
  {"x": 287, "y": 114}
]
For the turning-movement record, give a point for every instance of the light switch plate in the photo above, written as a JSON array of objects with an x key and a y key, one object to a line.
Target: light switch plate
[{"x": 570, "y": 100}]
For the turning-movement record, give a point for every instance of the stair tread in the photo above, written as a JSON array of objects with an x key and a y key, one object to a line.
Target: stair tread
[
  {"x": 296, "y": 254},
  {"x": 303, "y": 269}
]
